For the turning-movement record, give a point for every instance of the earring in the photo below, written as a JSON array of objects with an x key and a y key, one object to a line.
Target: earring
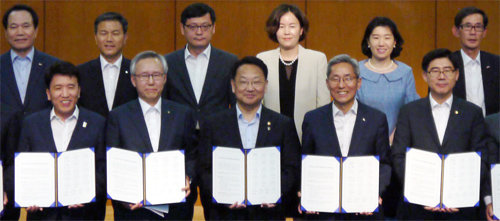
[
  {"x": 394, "y": 46},
  {"x": 368, "y": 46}
]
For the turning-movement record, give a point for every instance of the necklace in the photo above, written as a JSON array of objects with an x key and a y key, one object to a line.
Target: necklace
[
  {"x": 289, "y": 63},
  {"x": 380, "y": 69}
]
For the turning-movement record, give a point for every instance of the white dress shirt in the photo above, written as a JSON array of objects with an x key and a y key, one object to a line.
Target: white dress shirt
[
  {"x": 441, "y": 114},
  {"x": 344, "y": 126},
  {"x": 22, "y": 70},
  {"x": 197, "y": 69},
  {"x": 110, "y": 73},
  {"x": 474, "y": 80},
  {"x": 63, "y": 130},
  {"x": 152, "y": 117},
  {"x": 248, "y": 130}
]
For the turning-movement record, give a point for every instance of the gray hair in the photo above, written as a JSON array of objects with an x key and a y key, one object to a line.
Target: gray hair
[
  {"x": 343, "y": 58},
  {"x": 148, "y": 54}
]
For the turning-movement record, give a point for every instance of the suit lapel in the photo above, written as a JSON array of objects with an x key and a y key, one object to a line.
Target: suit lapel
[
  {"x": 333, "y": 138},
  {"x": 489, "y": 78},
  {"x": 184, "y": 76},
  {"x": 38, "y": 67},
  {"x": 78, "y": 131},
  {"x": 46, "y": 131},
  {"x": 10, "y": 78},
  {"x": 459, "y": 89},
  {"x": 453, "y": 122},
  {"x": 266, "y": 125},
  {"x": 99, "y": 83},
  {"x": 234, "y": 129},
  {"x": 358, "y": 131},
  {"x": 138, "y": 120},
  {"x": 428, "y": 121},
  {"x": 210, "y": 75},
  {"x": 166, "y": 130},
  {"x": 123, "y": 79}
]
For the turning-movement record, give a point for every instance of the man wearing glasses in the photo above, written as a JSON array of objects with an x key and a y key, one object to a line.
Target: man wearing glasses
[
  {"x": 199, "y": 74},
  {"x": 479, "y": 70}
]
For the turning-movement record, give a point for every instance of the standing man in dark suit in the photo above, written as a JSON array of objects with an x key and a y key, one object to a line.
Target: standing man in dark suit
[
  {"x": 106, "y": 80},
  {"x": 250, "y": 125},
  {"x": 152, "y": 124},
  {"x": 479, "y": 71},
  {"x": 440, "y": 123},
  {"x": 199, "y": 74},
  {"x": 347, "y": 127},
  {"x": 65, "y": 127}
]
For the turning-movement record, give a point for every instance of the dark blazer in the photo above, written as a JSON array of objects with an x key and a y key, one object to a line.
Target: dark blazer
[
  {"x": 493, "y": 131},
  {"x": 36, "y": 98},
  {"x": 490, "y": 68},
  {"x": 93, "y": 95},
  {"x": 369, "y": 137},
  {"x": 222, "y": 129},
  {"x": 36, "y": 136},
  {"x": 415, "y": 128},
  {"x": 216, "y": 94},
  {"x": 127, "y": 129}
]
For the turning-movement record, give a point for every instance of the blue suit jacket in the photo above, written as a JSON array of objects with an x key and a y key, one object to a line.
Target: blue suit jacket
[
  {"x": 221, "y": 129},
  {"x": 36, "y": 98},
  {"x": 127, "y": 129},
  {"x": 93, "y": 95},
  {"x": 36, "y": 136}
]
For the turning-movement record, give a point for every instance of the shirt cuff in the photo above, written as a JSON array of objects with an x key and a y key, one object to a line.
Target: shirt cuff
[{"x": 487, "y": 200}]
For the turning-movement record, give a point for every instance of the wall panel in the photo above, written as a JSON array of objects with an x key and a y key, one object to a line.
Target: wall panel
[{"x": 38, "y": 6}]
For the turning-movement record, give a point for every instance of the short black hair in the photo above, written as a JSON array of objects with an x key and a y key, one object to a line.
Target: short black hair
[
  {"x": 385, "y": 22},
  {"x": 438, "y": 53},
  {"x": 273, "y": 22},
  {"x": 111, "y": 16},
  {"x": 197, "y": 10},
  {"x": 249, "y": 60},
  {"x": 20, "y": 7},
  {"x": 464, "y": 12},
  {"x": 61, "y": 68}
]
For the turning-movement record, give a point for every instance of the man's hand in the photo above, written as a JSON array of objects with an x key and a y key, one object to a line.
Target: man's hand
[
  {"x": 237, "y": 206},
  {"x": 300, "y": 209},
  {"x": 75, "y": 206},
  {"x": 32, "y": 209},
  {"x": 187, "y": 188}
]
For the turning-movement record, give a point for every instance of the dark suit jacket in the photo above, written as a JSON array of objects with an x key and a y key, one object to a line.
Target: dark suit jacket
[
  {"x": 465, "y": 132},
  {"x": 216, "y": 94},
  {"x": 36, "y": 98},
  {"x": 490, "y": 68},
  {"x": 493, "y": 130},
  {"x": 36, "y": 136},
  {"x": 221, "y": 129},
  {"x": 127, "y": 129},
  {"x": 93, "y": 95}
]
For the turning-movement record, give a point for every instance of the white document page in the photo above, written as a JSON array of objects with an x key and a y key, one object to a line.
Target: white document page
[
  {"x": 263, "y": 175},
  {"x": 228, "y": 175},
  {"x": 320, "y": 184},
  {"x": 124, "y": 173},
  {"x": 165, "y": 177},
  {"x": 461, "y": 180},
  {"x": 422, "y": 183},
  {"x": 360, "y": 186},
  {"x": 76, "y": 177},
  {"x": 34, "y": 179},
  {"x": 495, "y": 189}
]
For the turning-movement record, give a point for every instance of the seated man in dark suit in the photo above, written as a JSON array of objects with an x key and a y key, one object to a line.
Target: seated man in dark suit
[
  {"x": 440, "y": 123},
  {"x": 105, "y": 81},
  {"x": 493, "y": 130},
  {"x": 479, "y": 71},
  {"x": 250, "y": 125},
  {"x": 151, "y": 124},
  {"x": 347, "y": 127},
  {"x": 65, "y": 127}
]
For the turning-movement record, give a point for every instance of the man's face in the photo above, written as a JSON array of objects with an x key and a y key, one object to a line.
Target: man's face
[
  {"x": 343, "y": 84},
  {"x": 110, "y": 39},
  {"x": 198, "y": 31},
  {"x": 470, "y": 39},
  {"x": 149, "y": 79},
  {"x": 441, "y": 77},
  {"x": 21, "y": 32},
  {"x": 63, "y": 92},
  {"x": 249, "y": 85}
]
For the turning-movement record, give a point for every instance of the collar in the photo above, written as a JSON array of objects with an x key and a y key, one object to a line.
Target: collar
[
  {"x": 354, "y": 108},
  {"x": 145, "y": 106},
  {"x": 240, "y": 115},
  {"x": 375, "y": 77},
  {"x": 206, "y": 52},
  {"x": 467, "y": 59},
  {"x": 434, "y": 103},
  {"x": 104, "y": 62},
  {"x": 75, "y": 114},
  {"x": 14, "y": 55}
]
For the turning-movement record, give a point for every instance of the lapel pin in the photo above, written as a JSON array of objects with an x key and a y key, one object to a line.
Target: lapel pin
[
  {"x": 168, "y": 112},
  {"x": 40, "y": 64},
  {"x": 456, "y": 112},
  {"x": 268, "y": 128},
  {"x": 126, "y": 71},
  {"x": 269, "y": 123},
  {"x": 364, "y": 119},
  {"x": 488, "y": 67},
  {"x": 84, "y": 125}
]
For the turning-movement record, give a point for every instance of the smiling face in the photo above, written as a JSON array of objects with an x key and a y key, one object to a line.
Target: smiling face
[
  {"x": 110, "y": 39},
  {"x": 343, "y": 84},
  {"x": 471, "y": 39},
  {"x": 249, "y": 85},
  {"x": 289, "y": 31},
  {"x": 381, "y": 43},
  {"x": 149, "y": 88},
  {"x": 198, "y": 39},
  {"x": 21, "y": 32},
  {"x": 441, "y": 85},
  {"x": 63, "y": 92}
]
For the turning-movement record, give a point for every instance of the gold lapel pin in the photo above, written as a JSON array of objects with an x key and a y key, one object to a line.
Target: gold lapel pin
[
  {"x": 364, "y": 119},
  {"x": 168, "y": 112},
  {"x": 126, "y": 71},
  {"x": 456, "y": 112},
  {"x": 269, "y": 126},
  {"x": 40, "y": 64},
  {"x": 84, "y": 125},
  {"x": 269, "y": 123}
]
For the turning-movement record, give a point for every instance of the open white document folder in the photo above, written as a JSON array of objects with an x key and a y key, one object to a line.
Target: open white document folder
[
  {"x": 149, "y": 178},
  {"x": 340, "y": 185},
  {"x": 495, "y": 189},
  {"x": 54, "y": 179},
  {"x": 444, "y": 181},
  {"x": 246, "y": 176}
]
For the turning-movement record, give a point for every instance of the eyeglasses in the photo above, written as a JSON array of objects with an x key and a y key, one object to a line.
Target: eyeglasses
[
  {"x": 448, "y": 73},
  {"x": 347, "y": 79},
  {"x": 469, "y": 27},
  {"x": 204, "y": 27},
  {"x": 145, "y": 77},
  {"x": 254, "y": 84}
]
